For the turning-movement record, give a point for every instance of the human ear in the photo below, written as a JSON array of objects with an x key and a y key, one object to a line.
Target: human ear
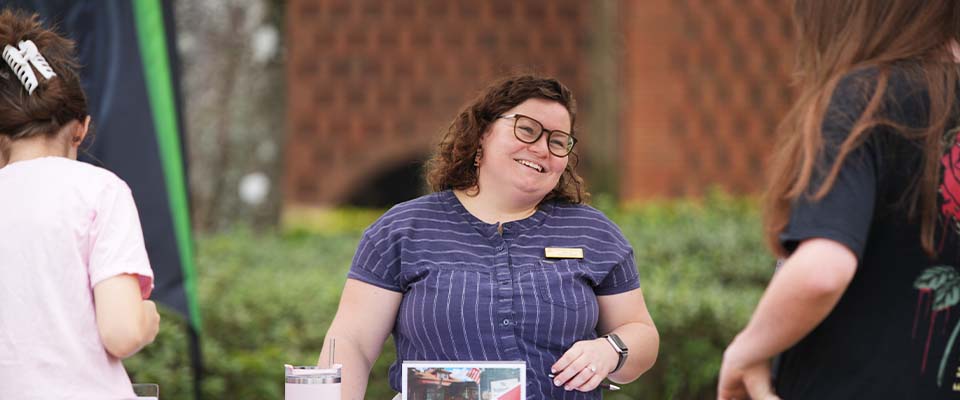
[{"x": 80, "y": 132}]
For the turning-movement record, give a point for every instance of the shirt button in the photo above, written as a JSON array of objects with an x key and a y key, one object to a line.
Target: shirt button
[
  {"x": 504, "y": 283},
  {"x": 506, "y": 322},
  {"x": 500, "y": 248}
]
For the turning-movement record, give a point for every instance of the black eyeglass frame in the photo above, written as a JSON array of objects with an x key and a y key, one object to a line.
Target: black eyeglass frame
[{"x": 516, "y": 117}]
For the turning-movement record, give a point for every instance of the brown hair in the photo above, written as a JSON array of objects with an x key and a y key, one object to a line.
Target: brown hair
[
  {"x": 56, "y": 101},
  {"x": 840, "y": 37},
  {"x": 451, "y": 166}
]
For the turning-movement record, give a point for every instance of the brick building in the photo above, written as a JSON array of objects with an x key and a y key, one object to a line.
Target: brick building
[{"x": 675, "y": 95}]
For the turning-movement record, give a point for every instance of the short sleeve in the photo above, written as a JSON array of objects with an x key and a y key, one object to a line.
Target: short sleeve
[
  {"x": 623, "y": 277},
  {"x": 116, "y": 240},
  {"x": 845, "y": 213},
  {"x": 377, "y": 260}
]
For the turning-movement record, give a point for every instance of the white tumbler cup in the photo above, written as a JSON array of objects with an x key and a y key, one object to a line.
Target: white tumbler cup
[{"x": 311, "y": 383}]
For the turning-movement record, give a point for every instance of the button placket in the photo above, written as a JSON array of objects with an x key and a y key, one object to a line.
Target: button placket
[{"x": 503, "y": 275}]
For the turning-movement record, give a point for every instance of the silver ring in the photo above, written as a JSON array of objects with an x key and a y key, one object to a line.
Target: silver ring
[{"x": 593, "y": 368}]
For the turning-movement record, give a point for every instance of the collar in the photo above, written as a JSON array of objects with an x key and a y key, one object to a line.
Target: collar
[{"x": 451, "y": 202}]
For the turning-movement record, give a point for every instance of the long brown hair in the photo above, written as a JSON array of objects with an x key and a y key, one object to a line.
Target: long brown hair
[
  {"x": 451, "y": 166},
  {"x": 55, "y": 102},
  {"x": 837, "y": 37}
]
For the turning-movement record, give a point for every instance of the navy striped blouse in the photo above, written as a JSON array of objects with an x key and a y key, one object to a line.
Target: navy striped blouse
[{"x": 472, "y": 293}]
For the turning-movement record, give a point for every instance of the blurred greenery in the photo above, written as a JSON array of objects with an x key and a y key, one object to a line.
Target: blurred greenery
[{"x": 268, "y": 298}]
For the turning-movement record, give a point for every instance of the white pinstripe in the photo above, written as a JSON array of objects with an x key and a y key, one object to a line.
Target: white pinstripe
[
  {"x": 448, "y": 316},
  {"x": 436, "y": 329},
  {"x": 477, "y": 314},
  {"x": 463, "y": 322}
]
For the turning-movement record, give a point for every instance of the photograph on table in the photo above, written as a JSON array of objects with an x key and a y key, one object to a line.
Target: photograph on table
[{"x": 464, "y": 380}]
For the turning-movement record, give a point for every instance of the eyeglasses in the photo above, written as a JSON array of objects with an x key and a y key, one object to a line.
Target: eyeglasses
[{"x": 529, "y": 130}]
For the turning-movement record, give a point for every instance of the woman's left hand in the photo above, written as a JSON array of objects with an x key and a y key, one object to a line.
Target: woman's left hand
[{"x": 585, "y": 365}]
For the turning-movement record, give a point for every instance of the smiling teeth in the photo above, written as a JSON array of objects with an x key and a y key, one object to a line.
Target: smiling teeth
[{"x": 531, "y": 165}]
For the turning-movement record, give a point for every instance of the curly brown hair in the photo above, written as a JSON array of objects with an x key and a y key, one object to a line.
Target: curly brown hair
[{"x": 451, "y": 166}]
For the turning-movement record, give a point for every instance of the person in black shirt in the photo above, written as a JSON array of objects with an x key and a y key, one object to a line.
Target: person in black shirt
[{"x": 863, "y": 205}]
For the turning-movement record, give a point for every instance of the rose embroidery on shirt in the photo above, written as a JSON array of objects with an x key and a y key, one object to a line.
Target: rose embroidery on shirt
[
  {"x": 941, "y": 284},
  {"x": 950, "y": 186}
]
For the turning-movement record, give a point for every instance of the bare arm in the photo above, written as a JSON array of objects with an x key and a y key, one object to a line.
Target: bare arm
[
  {"x": 799, "y": 297},
  {"x": 626, "y": 315},
  {"x": 126, "y": 322},
  {"x": 364, "y": 319}
]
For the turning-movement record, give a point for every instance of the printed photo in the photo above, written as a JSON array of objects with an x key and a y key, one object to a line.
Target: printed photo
[{"x": 464, "y": 380}]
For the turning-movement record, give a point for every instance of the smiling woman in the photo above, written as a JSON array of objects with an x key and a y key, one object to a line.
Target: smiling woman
[
  {"x": 521, "y": 110},
  {"x": 502, "y": 262},
  {"x": 516, "y": 172}
]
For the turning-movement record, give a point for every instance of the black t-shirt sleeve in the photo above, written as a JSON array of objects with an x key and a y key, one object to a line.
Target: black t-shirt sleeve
[{"x": 845, "y": 213}]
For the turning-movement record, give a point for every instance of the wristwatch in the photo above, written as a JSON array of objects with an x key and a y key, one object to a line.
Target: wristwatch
[{"x": 619, "y": 347}]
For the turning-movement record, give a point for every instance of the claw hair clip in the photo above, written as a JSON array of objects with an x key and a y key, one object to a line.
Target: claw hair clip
[{"x": 20, "y": 58}]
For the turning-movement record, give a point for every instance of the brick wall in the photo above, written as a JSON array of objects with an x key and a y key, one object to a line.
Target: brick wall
[
  {"x": 373, "y": 83},
  {"x": 705, "y": 84},
  {"x": 700, "y": 86}
]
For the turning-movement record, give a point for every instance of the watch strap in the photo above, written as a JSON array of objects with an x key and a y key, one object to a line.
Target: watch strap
[{"x": 622, "y": 352}]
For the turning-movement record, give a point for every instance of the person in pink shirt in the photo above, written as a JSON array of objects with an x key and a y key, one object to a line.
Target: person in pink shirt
[{"x": 74, "y": 273}]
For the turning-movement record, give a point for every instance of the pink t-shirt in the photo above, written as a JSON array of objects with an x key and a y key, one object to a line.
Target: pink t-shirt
[{"x": 64, "y": 227}]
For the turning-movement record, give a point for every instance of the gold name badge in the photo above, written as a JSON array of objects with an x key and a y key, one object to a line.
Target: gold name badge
[{"x": 563, "y": 252}]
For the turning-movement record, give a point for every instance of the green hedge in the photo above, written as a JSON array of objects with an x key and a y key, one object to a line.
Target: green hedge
[{"x": 267, "y": 299}]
